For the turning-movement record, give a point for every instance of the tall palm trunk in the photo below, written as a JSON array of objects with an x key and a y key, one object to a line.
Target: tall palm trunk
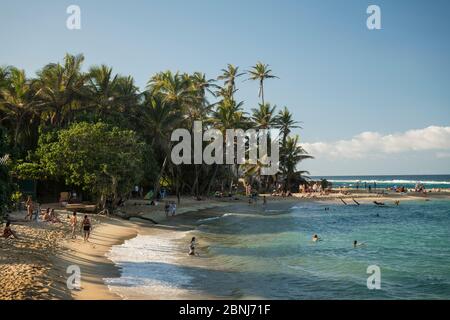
[
  {"x": 17, "y": 131},
  {"x": 157, "y": 184},
  {"x": 262, "y": 91}
]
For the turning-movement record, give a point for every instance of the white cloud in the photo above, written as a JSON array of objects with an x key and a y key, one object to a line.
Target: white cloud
[
  {"x": 442, "y": 155},
  {"x": 372, "y": 144}
]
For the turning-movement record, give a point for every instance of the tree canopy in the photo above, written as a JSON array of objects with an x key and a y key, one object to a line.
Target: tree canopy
[{"x": 94, "y": 129}]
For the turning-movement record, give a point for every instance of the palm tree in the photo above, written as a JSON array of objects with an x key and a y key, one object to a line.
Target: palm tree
[
  {"x": 59, "y": 86},
  {"x": 264, "y": 116},
  {"x": 102, "y": 88},
  {"x": 4, "y": 74},
  {"x": 228, "y": 115},
  {"x": 285, "y": 122},
  {"x": 17, "y": 100},
  {"x": 174, "y": 89},
  {"x": 229, "y": 75},
  {"x": 199, "y": 107},
  {"x": 260, "y": 72},
  {"x": 294, "y": 154},
  {"x": 174, "y": 93},
  {"x": 127, "y": 94},
  {"x": 160, "y": 119}
]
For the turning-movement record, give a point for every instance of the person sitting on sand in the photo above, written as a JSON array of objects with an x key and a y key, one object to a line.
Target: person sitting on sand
[
  {"x": 356, "y": 244},
  {"x": 46, "y": 216},
  {"x": 86, "y": 225},
  {"x": 8, "y": 232},
  {"x": 316, "y": 238},
  {"x": 192, "y": 247},
  {"x": 54, "y": 217},
  {"x": 73, "y": 224}
]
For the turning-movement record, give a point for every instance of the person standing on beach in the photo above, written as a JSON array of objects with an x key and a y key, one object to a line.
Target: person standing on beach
[
  {"x": 86, "y": 225},
  {"x": 174, "y": 208},
  {"x": 166, "y": 209},
  {"x": 73, "y": 224},
  {"x": 30, "y": 208},
  {"x": 264, "y": 200}
]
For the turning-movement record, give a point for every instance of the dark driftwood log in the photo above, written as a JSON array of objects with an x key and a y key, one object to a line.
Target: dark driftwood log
[{"x": 128, "y": 216}]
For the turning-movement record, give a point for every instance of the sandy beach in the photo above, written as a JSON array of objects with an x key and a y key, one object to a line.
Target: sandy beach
[{"x": 35, "y": 265}]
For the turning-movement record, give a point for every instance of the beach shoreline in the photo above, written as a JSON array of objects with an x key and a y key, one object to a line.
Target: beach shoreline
[{"x": 107, "y": 232}]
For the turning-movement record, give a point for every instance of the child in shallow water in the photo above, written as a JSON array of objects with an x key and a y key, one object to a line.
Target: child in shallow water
[{"x": 192, "y": 247}]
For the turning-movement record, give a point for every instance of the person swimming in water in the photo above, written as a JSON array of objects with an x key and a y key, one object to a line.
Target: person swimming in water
[
  {"x": 316, "y": 238},
  {"x": 379, "y": 203},
  {"x": 356, "y": 244}
]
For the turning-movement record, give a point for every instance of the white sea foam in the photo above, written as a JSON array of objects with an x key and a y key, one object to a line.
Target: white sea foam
[
  {"x": 149, "y": 267},
  {"x": 389, "y": 181},
  {"x": 208, "y": 219}
]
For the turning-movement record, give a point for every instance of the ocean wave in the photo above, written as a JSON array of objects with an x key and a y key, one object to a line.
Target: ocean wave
[
  {"x": 209, "y": 219},
  {"x": 146, "y": 263}
]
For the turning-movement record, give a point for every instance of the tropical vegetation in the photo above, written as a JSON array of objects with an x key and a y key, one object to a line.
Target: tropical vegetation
[{"x": 94, "y": 131}]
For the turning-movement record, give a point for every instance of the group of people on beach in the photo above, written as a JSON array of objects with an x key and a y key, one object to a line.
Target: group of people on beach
[
  {"x": 34, "y": 212},
  {"x": 85, "y": 226},
  {"x": 49, "y": 215},
  {"x": 170, "y": 208}
]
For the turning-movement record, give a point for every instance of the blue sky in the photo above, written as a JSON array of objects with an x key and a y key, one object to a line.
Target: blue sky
[{"x": 336, "y": 76}]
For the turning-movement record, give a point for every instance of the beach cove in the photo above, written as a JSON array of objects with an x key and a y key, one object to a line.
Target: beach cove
[{"x": 251, "y": 252}]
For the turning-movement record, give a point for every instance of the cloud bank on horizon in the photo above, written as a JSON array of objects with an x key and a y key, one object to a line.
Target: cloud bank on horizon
[{"x": 435, "y": 139}]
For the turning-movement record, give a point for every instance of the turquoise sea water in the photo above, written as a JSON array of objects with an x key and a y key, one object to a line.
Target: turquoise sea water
[
  {"x": 270, "y": 253},
  {"x": 252, "y": 251}
]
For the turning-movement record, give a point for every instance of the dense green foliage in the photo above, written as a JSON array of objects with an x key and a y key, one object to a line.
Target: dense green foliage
[
  {"x": 104, "y": 160},
  {"x": 5, "y": 178},
  {"x": 95, "y": 130}
]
